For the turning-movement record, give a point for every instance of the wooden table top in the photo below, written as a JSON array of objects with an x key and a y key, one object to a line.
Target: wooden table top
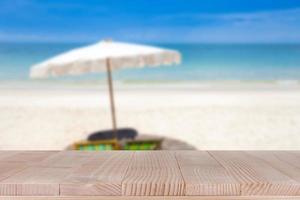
[{"x": 150, "y": 173}]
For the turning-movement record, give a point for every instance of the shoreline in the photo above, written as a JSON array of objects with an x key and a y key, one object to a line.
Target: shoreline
[{"x": 127, "y": 85}]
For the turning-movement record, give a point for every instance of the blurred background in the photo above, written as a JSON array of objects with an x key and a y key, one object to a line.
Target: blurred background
[{"x": 237, "y": 86}]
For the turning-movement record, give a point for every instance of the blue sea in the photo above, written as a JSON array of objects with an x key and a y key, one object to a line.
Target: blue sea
[{"x": 201, "y": 62}]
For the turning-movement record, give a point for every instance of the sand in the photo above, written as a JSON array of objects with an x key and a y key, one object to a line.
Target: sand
[{"x": 248, "y": 117}]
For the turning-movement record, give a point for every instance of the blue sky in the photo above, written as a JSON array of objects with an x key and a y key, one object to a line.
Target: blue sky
[{"x": 242, "y": 21}]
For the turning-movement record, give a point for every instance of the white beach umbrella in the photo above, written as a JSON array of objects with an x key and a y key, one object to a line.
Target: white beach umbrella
[{"x": 105, "y": 56}]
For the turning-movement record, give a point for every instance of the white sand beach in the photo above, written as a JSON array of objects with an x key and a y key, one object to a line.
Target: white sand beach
[{"x": 252, "y": 116}]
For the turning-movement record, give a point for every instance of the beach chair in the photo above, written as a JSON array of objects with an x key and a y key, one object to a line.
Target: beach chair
[{"x": 126, "y": 140}]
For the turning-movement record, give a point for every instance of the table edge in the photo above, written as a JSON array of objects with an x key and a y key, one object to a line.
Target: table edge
[{"x": 150, "y": 197}]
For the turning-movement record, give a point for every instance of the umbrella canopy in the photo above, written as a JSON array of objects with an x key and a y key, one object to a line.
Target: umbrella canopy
[
  {"x": 94, "y": 58},
  {"x": 105, "y": 56}
]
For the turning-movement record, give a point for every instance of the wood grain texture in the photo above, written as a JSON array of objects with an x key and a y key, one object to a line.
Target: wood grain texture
[
  {"x": 203, "y": 175},
  {"x": 150, "y": 175},
  {"x": 288, "y": 157},
  {"x": 256, "y": 176},
  {"x": 5, "y": 154},
  {"x": 153, "y": 198},
  {"x": 101, "y": 175},
  {"x": 37, "y": 181},
  {"x": 27, "y": 157},
  {"x": 153, "y": 173},
  {"x": 274, "y": 159},
  {"x": 7, "y": 170},
  {"x": 67, "y": 159},
  {"x": 296, "y": 153}
]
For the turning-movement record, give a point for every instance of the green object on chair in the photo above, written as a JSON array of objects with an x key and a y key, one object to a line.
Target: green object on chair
[
  {"x": 96, "y": 145},
  {"x": 142, "y": 145}
]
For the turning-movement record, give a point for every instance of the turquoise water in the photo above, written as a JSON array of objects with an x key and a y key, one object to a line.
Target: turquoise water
[{"x": 200, "y": 62}]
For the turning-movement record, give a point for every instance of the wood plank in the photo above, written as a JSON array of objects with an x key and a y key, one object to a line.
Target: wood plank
[
  {"x": 296, "y": 153},
  {"x": 153, "y": 173},
  {"x": 28, "y": 157},
  {"x": 153, "y": 198},
  {"x": 7, "y": 170},
  {"x": 281, "y": 165},
  {"x": 156, "y": 174},
  {"x": 255, "y": 175},
  {"x": 102, "y": 175},
  {"x": 203, "y": 175},
  {"x": 5, "y": 154},
  {"x": 37, "y": 181},
  {"x": 288, "y": 157},
  {"x": 67, "y": 159}
]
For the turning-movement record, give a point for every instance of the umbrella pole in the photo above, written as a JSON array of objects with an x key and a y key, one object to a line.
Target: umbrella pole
[{"x": 111, "y": 97}]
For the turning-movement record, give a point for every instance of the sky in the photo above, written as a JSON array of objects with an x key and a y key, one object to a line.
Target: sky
[{"x": 169, "y": 21}]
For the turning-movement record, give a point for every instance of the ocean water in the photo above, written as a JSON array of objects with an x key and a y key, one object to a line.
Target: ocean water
[{"x": 201, "y": 62}]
